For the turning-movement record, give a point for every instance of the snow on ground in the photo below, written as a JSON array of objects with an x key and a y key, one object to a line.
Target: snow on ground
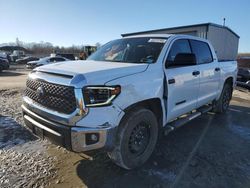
[
  {"x": 25, "y": 165},
  {"x": 24, "y": 160}
]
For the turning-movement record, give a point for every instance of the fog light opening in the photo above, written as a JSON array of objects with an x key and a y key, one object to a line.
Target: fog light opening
[{"x": 92, "y": 138}]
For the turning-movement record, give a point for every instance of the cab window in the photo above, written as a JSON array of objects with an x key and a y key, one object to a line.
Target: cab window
[
  {"x": 202, "y": 51},
  {"x": 179, "y": 46}
]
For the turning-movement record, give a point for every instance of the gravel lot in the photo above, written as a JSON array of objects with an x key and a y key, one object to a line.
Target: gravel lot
[
  {"x": 210, "y": 151},
  {"x": 13, "y": 78}
]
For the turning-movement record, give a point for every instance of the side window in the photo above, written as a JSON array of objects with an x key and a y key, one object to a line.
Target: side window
[
  {"x": 179, "y": 46},
  {"x": 202, "y": 52},
  {"x": 52, "y": 60},
  {"x": 57, "y": 59}
]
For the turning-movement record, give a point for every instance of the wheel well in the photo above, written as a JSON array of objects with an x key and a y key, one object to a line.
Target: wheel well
[
  {"x": 229, "y": 80},
  {"x": 153, "y": 104}
]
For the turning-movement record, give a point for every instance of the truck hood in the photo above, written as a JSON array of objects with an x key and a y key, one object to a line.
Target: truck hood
[{"x": 95, "y": 72}]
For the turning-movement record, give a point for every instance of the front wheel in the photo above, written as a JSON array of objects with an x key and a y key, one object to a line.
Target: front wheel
[
  {"x": 136, "y": 139},
  {"x": 222, "y": 104}
]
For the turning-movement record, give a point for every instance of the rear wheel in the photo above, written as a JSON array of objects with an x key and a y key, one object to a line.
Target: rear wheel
[
  {"x": 136, "y": 139},
  {"x": 222, "y": 104}
]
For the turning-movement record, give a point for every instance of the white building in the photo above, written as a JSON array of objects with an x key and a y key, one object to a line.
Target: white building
[{"x": 224, "y": 40}]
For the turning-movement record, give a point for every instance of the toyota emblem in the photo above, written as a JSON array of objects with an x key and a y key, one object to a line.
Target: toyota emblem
[{"x": 40, "y": 92}]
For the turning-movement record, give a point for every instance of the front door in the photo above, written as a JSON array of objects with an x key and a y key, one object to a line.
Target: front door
[{"x": 182, "y": 83}]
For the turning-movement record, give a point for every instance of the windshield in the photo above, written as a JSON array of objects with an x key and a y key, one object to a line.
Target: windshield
[{"x": 130, "y": 50}]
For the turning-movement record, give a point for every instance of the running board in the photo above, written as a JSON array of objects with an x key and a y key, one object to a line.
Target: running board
[{"x": 182, "y": 121}]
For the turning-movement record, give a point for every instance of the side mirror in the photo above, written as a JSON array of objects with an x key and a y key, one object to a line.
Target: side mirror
[{"x": 182, "y": 59}]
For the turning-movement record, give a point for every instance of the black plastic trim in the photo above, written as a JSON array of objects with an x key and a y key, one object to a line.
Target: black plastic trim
[{"x": 64, "y": 140}]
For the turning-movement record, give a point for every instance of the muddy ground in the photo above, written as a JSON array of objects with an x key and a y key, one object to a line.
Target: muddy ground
[{"x": 211, "y": 151}]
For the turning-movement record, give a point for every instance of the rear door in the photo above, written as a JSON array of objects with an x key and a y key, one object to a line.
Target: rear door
[
  {"x": 209, "y": 72},
  {"x": 182, "y": 82}
]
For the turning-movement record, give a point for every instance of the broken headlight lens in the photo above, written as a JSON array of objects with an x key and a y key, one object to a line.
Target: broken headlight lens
[{"x": 100, "y": 95}]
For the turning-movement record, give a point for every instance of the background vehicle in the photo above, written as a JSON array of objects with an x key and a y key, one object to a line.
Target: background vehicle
[
  {"x": 5, "y": 55},
  {"x": 243, "y": 74},
  {"x": 17, "y": 54},
  {"x": 90, "y": 50},
  {"x": 67, "y": 56},
  {"x": 27, "y": 59},
  {"x": 4, "y": 64},
  {"x": 128, "y": 93},
  {"x": 45, "y": 61},
  {"x": 243, "y": 77}
]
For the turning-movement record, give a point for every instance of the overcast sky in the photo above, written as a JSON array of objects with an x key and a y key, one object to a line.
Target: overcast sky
[{"x": 68, "y": 22}]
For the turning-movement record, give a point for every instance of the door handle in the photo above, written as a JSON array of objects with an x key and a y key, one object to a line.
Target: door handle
[
  {"x": 171, "y": 81},
  {"x": 196, "y": 73},
  {"x": 217, "y": 69}
]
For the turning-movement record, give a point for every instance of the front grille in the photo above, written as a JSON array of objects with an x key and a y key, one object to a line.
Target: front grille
[{"x": 56, "y": 97}]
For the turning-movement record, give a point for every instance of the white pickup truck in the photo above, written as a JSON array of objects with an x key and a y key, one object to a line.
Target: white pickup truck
[{"x": 126, "y": 94}]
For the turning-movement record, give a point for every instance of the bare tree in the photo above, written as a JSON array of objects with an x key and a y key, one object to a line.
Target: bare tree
[{"x": 46, "y": 48}]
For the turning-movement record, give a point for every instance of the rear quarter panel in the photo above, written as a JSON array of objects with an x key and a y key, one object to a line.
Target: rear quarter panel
[{"x": 228, "y": 69}]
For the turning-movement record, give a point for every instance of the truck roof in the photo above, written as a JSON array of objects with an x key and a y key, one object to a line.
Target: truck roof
[
  {"x": 168, "y": 36},
  {"x": 150, "y": 35}
]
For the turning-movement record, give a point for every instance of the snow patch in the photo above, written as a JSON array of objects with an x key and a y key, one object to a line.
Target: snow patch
[{"x": 12, "y": 133}]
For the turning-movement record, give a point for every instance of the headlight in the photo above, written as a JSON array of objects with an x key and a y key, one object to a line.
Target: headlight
[{"x": 100, "y": 95}]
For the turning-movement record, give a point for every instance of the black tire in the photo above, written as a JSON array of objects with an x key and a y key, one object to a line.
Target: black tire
[
  {"x": 136, "y": 139},
  {"x": 1, "y": 69},
  {"x": 222, "y": 104}
]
